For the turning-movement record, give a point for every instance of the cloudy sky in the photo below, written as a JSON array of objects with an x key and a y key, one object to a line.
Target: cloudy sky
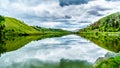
[{"x": 65, "y": 14}]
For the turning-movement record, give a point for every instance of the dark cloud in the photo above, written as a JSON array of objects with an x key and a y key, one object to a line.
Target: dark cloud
[
  {"x": 72, "y": 2},
  {"x": 99, "y": 8},
  {"x": 94, "y": 12}
]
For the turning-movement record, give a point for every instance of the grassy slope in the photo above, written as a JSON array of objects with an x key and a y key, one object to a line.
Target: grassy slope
[
  {"x": 112, "y": 62},
  {"x": 12, "y": 26},
  {"x": 110, "y": 23},
  {"x": 15, "y": 26}
]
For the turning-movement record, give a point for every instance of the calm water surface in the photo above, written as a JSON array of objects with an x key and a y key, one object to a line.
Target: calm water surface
[{"x": 69, "y": 51}]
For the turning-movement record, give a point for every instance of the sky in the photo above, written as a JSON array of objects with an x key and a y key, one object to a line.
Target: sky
[{"x": 64, "y": 14}]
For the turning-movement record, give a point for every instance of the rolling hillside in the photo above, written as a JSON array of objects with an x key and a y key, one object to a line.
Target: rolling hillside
[
  {"x": 110, "y": 23},
  {"x": 52, "y": 31},
  {"x": 10, "y": 25}
]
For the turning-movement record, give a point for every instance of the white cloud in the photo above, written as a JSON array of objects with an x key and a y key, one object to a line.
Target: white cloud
[
  {"x": 50, "y": 11},
  {"x": 50, "y": 24}
]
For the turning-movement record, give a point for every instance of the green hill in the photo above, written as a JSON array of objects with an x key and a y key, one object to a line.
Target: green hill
[
  {"x": 10, "y": 25},
  {"x": 110, "y": 23},
  {"x": 52, "y": 31}
]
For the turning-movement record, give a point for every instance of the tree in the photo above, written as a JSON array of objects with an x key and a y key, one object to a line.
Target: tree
[{"x": 1, "y": 18}]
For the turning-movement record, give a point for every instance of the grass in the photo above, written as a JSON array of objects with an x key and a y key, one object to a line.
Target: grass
[
  {"x": 12, "y": 26},
  {"x": 112, "y": 62},
  {"x": 15, "y": 26},
  {"x": 101, "y": 33},
  {"x": 52, "y": 31},
  {"x": 109, "y": 23}
]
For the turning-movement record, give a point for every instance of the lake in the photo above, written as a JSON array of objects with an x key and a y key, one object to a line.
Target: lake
[{"x": 70, "y": 51}]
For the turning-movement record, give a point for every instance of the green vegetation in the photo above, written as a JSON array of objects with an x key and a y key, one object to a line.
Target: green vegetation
[
  {"x": 63, "y": 63},
  {"x": 2, "y": 26},
  {"x": 111, "y": 62},
  {"x": 52, "y": 31},
  {"x": 11, "y": 43},
  {"x": 110, "y": 43},
  {"x": 12, "y": 26},
  {"x": 110, "y": 23},
  {"x": 105, "y": 33},
  {"x": 14, "y": 33}
]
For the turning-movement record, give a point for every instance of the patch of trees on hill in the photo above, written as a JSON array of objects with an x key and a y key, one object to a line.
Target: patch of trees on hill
[
  {"x": 109, "y": 23},
  {"x": 2, "y": 25}
]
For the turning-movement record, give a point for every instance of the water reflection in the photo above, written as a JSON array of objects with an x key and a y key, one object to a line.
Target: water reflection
[
  {"x": 11, "y": 43},
  {"x": 64, "y": 63},
  {"x": 111, "y": 43},
  {"x": 49, "y": 53}
]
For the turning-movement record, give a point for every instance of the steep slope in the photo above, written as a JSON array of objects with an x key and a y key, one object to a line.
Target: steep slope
[
  {"x": 110, "y": 23},
  {"x": 10, "y": 25}
]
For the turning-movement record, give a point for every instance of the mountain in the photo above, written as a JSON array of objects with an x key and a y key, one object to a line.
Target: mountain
[
  {"x": 110, "y": 23},
  {"x": 10, "y": 25}
]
